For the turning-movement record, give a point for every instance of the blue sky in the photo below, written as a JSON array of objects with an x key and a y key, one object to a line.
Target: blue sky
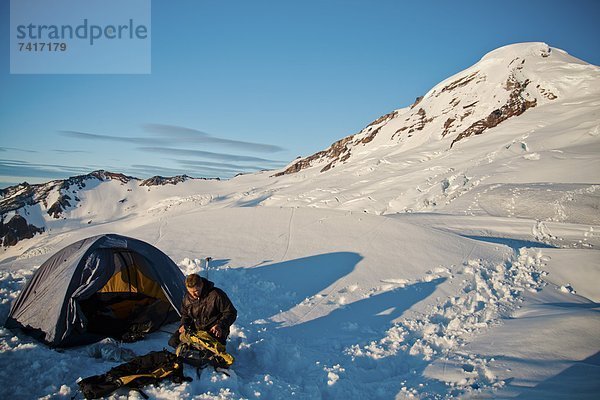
[{"x": 237, "y": 86}]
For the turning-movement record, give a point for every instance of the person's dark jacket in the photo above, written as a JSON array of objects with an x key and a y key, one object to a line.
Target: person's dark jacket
[{"x": 212, "y": 307}]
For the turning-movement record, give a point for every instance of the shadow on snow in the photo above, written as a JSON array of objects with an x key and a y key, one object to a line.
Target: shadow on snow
[
  {"x": 514, "y": 244},
  {"x": 364, "y": 320},
  {"x": 296, "y": 355},
  {"x": 581, "y": 381},
  {"x": 262, "y": 291}
]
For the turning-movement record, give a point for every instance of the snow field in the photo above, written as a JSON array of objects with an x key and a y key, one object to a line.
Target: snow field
[{"x": 316, "y": 320}]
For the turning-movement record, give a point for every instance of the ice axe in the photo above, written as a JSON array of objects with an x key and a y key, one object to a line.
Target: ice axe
[{"x": 207, "y": 260}]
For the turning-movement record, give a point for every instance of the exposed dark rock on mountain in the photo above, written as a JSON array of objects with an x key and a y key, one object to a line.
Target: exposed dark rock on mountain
[
  {"x": 160, "y": 180},
  {"x": 515, "y": 106},
  {"x": 460, "y": 82},
  {"x": 59, "y": 206},
  {"x": 416, "y": 124},
  {"x": 340, "y": 151},
  {"x": 15, "y": 197},
  {"x": 16, "y": 229}
]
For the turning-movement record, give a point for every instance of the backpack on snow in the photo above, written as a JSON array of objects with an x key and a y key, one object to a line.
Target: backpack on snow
[
  {"x": 200, "y": 349},
  {"x": 143, "y": 370}
]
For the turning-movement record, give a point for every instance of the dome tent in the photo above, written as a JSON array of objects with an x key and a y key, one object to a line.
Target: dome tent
[{"x": 97, "y": 287}]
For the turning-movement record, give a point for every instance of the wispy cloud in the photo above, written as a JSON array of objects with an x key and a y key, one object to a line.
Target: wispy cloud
[
  {"x": 17, "y": 149},
  {"x": 69, "y": 151},
  {"x": 121, "y": 139},
  {"x": 210, "y": 155},
  {"x": 207, "y": 172},
  {"x": 170, "y": 134},
  {"x": 144, "y": 170},
  {"x": 23, "y": 169},
  {"x": 200, "y": 161},
  {"x": 223, "y": 166},
  {"x": 195, "y": 169},
  {"x": 189, "y": 135}
]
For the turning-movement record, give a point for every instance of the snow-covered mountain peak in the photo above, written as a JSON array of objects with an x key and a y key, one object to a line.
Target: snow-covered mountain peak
[
  {"x": 528, "y": 50},
  {"x": 504, "y": 84},
  {"x": 519, "y": 50}
]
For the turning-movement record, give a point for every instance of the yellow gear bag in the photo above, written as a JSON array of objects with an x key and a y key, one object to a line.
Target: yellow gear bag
[{"x": 204, "y": 341}]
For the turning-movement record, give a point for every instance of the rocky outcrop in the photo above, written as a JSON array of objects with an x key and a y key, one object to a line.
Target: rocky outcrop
[
  {"x": 465, "y": 80},
  {"x": 59, "y": 206},
  {"x": 15, "y": 197},
  {"x": 417, "y": 101},
  {"x": 416, "y": 122},
  {"x": 516, "y": 105},
  {"x": 161, "y": 181},
  {"x": 340, "y": 151},
  {"x": 447, "y": 126},
  {"x": 106, "y": 175},
  {"x": 333, "y": 153},
  {"x": 16, "y": 229},
  {"x": 383, "y": 118},
  {"x": 546, "y": 93}
]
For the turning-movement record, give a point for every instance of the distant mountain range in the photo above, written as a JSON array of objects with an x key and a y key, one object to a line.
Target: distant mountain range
[{"x": 55, "y": 197}]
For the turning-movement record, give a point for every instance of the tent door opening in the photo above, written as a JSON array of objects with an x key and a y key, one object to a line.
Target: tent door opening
[{"x": 131, "y": 300}]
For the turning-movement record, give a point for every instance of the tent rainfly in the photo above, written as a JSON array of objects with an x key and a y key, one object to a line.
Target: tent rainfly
[{"x": 106, "y": 285}]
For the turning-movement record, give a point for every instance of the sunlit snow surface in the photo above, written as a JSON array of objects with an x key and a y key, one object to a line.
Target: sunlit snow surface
[{"x": 410, "y": 270}]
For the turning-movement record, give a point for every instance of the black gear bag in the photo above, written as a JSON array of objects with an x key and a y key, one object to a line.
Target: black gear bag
[{"x": 144, "y": 370}]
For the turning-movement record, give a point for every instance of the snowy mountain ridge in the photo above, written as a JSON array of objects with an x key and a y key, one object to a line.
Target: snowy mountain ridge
[
  {"x": 30, "y": 209},
  {"x": 512, "y": 118}
]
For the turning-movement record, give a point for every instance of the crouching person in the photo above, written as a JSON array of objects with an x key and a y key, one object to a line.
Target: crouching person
[{"x": 205, "y": 308}]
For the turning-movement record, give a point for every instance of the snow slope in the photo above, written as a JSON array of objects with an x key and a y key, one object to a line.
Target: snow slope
[{"x": 415, "y": 268}]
